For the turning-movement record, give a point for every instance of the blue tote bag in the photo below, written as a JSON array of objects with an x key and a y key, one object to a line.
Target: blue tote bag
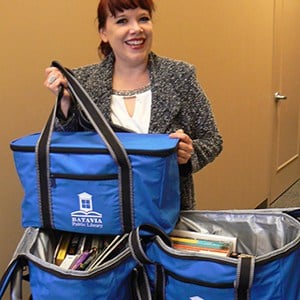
[
  {"x": 97, "y": 182},
  {"x": 32, "y": 261},
  {"x": 266, "y": 268}
]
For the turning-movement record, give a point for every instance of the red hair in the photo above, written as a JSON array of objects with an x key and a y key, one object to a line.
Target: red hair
[{"x": 114, "y": 6}]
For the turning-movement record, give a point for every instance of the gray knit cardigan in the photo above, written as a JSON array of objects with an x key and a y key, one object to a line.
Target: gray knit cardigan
[{"x": 178, "y": 102}]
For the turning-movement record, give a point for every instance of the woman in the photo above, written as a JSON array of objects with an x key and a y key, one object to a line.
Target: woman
[{"x": 143, "y": 92}]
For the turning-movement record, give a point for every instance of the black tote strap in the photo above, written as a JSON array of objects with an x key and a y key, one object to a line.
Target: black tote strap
[
  {"x": 7, "y": 277},
  {"x": 245, "y": 273},
  {"x": 160, "y": 283},
  {"x": 111, "y": 141},
  {"x": 42, "y": 150},
  {"x": 141, "y": 289},
  {"x": 13, "y": 276},
  {"x": 140, "y": 284},
  {"x": 135, "y": 241}
]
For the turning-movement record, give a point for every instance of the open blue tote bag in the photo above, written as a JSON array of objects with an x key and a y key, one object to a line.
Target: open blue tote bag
[
  {"x": 266, "y": 268},
  {"x": 33, "y": 261},
  {"x": 99, "y": 181}
]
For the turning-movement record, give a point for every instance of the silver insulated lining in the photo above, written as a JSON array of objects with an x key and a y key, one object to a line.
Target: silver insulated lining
[{"x": 263, "y": 234}]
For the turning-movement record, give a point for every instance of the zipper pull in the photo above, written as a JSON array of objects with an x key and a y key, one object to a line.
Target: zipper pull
[{"x": 52, "y": 181}]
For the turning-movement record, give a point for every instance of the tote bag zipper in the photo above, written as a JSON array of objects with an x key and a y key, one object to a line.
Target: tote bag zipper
[{"x": 87, "y": 177}]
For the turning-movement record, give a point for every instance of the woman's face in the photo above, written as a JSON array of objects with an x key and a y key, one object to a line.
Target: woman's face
[{"x": 129, "y": 35}]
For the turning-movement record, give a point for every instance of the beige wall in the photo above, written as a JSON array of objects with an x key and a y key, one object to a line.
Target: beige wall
[
  {"x": 32, "y": 34},
  {"x": 230, "y": 43}
]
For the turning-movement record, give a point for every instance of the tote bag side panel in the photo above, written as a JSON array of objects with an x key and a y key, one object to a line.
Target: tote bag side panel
[
  {"x": 112, "y": 284},
  {"x": 278, "y": 279},
  {"x": 156, "y": 191},
  {"x": 25, "y": 166},
  {"x": 181, "y": 289},
  {"x": 290, "y": 275},
  {"x": 189, "y": 276},
  {"x": 208, "y": 268}
]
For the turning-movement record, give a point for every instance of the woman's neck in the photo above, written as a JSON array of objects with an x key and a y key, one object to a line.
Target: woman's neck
[{"x": 130, "y": 77}]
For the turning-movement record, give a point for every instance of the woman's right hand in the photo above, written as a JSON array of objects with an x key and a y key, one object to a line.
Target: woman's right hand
[{"x": 54, "y": 79}]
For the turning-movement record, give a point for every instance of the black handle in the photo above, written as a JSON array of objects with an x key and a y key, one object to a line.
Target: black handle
[
  {"x": 110, "y": 139},
  {"x": 13, "y": 276},
  {"x": 136, "y": 245},
  {"x": 140, "y": 284},
  {"x": 245, "y": 275},
  {"x": 135, "y": 241}
]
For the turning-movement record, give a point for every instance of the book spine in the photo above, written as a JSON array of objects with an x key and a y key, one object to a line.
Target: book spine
[
  {"x": 201, "y": 243},
  {"x": 63, "y": 248}
]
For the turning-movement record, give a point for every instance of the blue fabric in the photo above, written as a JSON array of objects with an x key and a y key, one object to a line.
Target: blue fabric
[
  {"x": 206, "y": 272},
  {"x": 115, "y": 283},
  {"x": 110, "y": 280},
  {"x": 279, "y": 279},
  {"x": 207, "y": 278},
  {"x": 87, "y": 205}
]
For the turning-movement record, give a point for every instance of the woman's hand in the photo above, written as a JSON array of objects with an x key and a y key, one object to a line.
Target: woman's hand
[
  {"x": 185, "y": 146},
  {"x": 54, "y": 79}
]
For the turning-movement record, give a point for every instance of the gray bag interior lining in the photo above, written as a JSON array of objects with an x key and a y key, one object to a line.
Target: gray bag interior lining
[
  {"x": 258, "y": 233},
  {"x": 44, "y": 245},
  {"x": 39, "y": 246}
]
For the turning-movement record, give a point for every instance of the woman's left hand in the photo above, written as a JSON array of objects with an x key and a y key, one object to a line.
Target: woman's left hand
[{"x": 185, "y": 146}]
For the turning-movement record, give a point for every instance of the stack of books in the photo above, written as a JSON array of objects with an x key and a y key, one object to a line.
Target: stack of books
[
  {"x": 86, "y": 252},
  {"x": 203, "y": 243}
]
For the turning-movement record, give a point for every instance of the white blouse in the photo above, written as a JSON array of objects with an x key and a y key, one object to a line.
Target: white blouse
[{"x": 140, "y": 120}]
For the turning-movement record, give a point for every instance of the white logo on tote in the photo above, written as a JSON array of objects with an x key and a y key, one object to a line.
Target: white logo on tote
[
  {"x": 196, "y": 298},
  {"x": 86, "y": 217}
]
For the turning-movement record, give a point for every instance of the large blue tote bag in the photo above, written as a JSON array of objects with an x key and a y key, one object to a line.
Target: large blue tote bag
[
  {"x": 97, "y": 182},
  {"x": 32, "y": 260},
  {"x": 267, "y": 267}
]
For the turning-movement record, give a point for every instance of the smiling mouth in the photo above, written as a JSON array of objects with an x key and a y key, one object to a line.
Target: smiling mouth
[{"x": 135, "y": 42}]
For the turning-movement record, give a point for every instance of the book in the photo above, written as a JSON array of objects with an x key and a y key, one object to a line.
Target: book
[
  {"x": 62, "y": 247},
  {"x": 86, "y": 252},
  {"x": 97, "y": 243},
  {"x": 113, "y": 246},
  {"x": 84, "y": 265},
  {"x": 69, "y": 261},
  {"x": 117, "y": 248},
  {"x": 73, "y": 246},
  {"x": 203, "y": 243},
  {"x": 81, "y": 244},
  {"x": 81, "y": 259},
  {"x": 205, "y": 236},
  {"x": 195, "y": 248}
]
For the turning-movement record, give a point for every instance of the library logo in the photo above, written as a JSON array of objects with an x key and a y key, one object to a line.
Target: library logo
[{"x": 86, "y": 217}]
